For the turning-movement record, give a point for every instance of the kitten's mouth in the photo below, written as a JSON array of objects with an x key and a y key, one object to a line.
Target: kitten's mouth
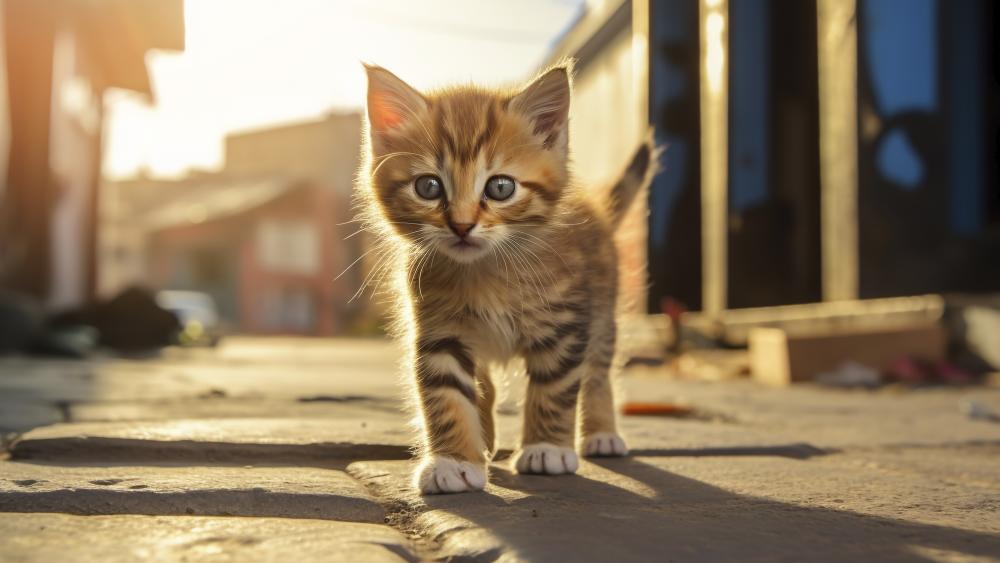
[
  {"x": 465, "y": 250},
  {"x": 463, "y": 244}
]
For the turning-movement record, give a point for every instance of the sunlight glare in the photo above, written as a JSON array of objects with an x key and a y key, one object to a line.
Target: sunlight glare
[
  {"x": 715, "y": 58},
  {"x": 253, "y": 63}
]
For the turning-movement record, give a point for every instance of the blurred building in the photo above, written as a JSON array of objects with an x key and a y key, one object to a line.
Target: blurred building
[
  {"x": 817, "y": 150},
  {"x": 266, "y": 236},
  {"x": 57, "y": 57}
]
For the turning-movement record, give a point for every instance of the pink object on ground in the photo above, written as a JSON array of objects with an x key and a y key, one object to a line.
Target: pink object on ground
[
  {"x": 950, "y": 373},
  {"x": 908, "y": 370}
]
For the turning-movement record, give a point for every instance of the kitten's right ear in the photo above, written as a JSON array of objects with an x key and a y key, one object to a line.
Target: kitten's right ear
[{"x": 390, "y": 100}]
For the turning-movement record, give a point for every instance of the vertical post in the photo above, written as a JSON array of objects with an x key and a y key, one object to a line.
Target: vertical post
[
  {"x": 29, "y": 194},
  {"x": 92, "y": 222},
  {"x": 640, "y": 95},
  {"x": 838, "y": 144},
  {"x": 713, "y": 19},
  {"x": 640, "y": 59}
]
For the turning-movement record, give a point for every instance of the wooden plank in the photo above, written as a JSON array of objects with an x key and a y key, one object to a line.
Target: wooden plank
[
  {"x": 649, "y": 334},
  {"x": 779, "y": 358}
]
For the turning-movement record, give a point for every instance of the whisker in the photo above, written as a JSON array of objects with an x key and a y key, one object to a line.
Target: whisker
[
  {"x": 536, "y": 240},
  {"x": 550, "y": 224},
  {"x": 355, "y": 233},
  {"x": 382, "y": 259},
  {"x": 533, "y": 278},
  {"x": 425, "y": 264},
  {"x": 371, "y": 222},
  {"x": 544, "y": 270},
  {"x": 358, "y": 259},
  {"x": 389, "y": 156}
]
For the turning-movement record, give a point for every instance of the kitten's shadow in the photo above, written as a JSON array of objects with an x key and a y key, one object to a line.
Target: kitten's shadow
[{"x": 640, "y": 512}]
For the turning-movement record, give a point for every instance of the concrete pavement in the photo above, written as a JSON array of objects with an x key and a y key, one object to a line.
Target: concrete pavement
[
  {"x": 121, "y": 539},
  {"x": 268, "y": 449}
]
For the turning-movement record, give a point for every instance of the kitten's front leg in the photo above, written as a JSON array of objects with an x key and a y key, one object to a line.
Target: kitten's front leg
[
  {"x": 554, "y": 371},
  {"x": 454, "y": 459}
]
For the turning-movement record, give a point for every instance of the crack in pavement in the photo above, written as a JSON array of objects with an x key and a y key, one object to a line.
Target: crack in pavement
[{"x": 400, "y": 513}]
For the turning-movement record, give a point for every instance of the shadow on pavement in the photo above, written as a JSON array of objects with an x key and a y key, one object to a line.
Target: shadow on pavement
[
  {"x": 791, "y": 451},
  {"x": 643, "y": 513}
]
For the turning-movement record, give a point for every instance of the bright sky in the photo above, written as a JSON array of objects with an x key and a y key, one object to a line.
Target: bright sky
[{"x": 254, "y": 63}]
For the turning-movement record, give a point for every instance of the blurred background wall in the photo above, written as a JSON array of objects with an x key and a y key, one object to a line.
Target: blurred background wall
[
  {"x": 816, "y": 150},
  {"x": 851, "y": 145},
  {"x": 265, "y": 236},
  {"x": 59, "y": 59}
]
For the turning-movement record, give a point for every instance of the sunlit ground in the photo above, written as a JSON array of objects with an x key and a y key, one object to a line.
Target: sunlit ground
[{"x": 314, "y": 432}]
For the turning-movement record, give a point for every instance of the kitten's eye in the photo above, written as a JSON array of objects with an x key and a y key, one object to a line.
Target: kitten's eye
[
  {"x": 500, "y": 188},
  {"x": 429, "y": 187}
]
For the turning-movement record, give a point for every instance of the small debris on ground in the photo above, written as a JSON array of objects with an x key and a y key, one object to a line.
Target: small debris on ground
[
  {"x": 711, "y": 365},
  {"x": 851, "y": 374},
  {"x": 978, "y": 411},
  {"x": 914, "y": 371},
  {"x": 333, "y": 399},
  {"x": 214, "y": 393},
  {"x": 656, "y": 409}
]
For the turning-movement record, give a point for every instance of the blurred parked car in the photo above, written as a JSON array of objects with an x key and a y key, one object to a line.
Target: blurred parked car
[{"x": 198, "y": 316}]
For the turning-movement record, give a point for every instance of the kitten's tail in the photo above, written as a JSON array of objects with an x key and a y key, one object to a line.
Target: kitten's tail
[{"x": 634, "y": 179}]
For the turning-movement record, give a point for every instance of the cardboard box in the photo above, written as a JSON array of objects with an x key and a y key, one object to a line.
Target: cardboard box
[{"x": 778, "y": 357}]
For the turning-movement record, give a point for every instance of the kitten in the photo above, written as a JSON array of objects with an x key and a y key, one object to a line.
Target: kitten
[{"x": 501, "y": 257}]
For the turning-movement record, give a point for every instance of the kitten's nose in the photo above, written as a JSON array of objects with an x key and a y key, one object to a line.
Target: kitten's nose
[{"x": 461, "y": 229}]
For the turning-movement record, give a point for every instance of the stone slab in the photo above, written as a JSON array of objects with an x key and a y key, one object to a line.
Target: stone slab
[
  {"x": 279, "y": 366},
  {"x": 45, "y": 538},
  {"x": 854, "y": 506},
  {"x": 253, "y": 441},
  {"x": 740, "y": 413},
  {"x": 289, "y": 492},
  {"x": 18, "y": 417},
  {"x": 323, "y": 406},
  {"x": 242, "y": 368}
]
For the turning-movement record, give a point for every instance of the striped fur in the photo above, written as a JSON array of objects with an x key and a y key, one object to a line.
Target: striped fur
[{"x": 535, "y": 278}]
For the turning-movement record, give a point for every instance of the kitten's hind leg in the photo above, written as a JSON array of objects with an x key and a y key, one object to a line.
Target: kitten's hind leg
[
  {"x": 453, "y": 460},
  {"x": 598, "y": 427}
]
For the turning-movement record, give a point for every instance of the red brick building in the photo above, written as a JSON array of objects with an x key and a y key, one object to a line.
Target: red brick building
[
  {"x": 268, "y": 252},
  {"x": 266, "y": 236}
]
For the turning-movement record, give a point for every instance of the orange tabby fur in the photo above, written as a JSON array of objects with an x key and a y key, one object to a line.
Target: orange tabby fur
[{"x": 485, "y": 280}]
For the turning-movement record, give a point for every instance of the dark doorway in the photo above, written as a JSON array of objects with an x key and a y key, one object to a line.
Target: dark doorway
[
  {"x": 774, "y": 187},
  {"x": 675, "y": 197}
]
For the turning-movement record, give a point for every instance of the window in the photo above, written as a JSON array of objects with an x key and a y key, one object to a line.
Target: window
[{"x": 288, "y": 246}]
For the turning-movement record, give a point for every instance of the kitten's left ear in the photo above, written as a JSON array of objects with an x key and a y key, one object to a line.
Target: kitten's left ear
[
  {"x": 546, "y": 103},
  {"x": 390, "y": 101}
]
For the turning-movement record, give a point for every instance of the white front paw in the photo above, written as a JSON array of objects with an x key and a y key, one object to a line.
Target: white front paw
[
  {"x": 437, "y": 474},
  {"x": 546, "y": 459},
  {"x": 604, "y": 444}
]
